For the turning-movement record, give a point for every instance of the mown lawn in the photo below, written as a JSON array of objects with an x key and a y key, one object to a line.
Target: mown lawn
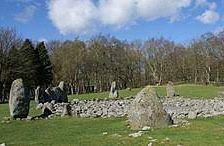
[
  {"x": 89, "y": 132},
  {"x": 186, "y": 90}
]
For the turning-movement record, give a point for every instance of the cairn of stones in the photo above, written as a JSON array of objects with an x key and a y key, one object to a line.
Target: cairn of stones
[
  {"x": 170, "y": 89},
  {"x": 19, "y": 100},
  {"x": 147, "y": 110},
  {"x": 113, "y": 91}
]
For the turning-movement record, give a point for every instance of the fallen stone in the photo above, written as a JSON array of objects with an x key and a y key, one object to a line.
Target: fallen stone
[{"x": 138, "y": 134}]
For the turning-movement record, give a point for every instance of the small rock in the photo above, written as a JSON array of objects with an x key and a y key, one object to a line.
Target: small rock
[
  {"x": 153, "y": 140},
  {"x": 173, "y": 126},
  {"x": 28, "y": 118},
  {"x": 192, "y": 115},
  {"x": 146, "y": 128},
  {"x": 105, "y": 133},
  {"x": 3, "y": 144},
  {"x": 167, "y": 139},
  {"x": 139, "y": 133},
  {"x": 39, "y": 106},
  {"x": 150, "y": 144}
]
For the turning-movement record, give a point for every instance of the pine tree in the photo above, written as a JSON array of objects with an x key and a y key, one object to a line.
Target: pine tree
[
  {"x": 13, "y": 65},
  {"x": 45, "y": 74},
  {"x": 28, "y": 63}
]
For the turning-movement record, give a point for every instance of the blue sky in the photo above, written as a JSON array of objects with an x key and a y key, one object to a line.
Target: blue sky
[{"x": 178, "y": 20}]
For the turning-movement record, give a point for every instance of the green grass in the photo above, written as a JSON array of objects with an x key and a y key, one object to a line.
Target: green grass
[
  {"x": 89, "y": 132},
  {"x": 186, "y": 90},
  {"x": 103, "y": 95},
  {"x": 193, "y": 91}
]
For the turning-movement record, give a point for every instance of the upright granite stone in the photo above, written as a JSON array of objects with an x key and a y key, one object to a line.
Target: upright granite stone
[
  {"x": 113, "y": 91},
  {"x": 147, "y": 110},
  {"x": 61, "y": 92},
  {"x": 19, "y": 100},
  {"x": 39, "y": 95},
  {"x": 66, "y": 110},
  {"x": 62, "y": 85},
  {"x": 58, "y": 93},
  {"x": 170, "y": 89}
]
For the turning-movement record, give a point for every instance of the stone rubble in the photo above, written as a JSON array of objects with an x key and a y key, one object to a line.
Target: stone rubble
[{"x": 178, "y": 107}]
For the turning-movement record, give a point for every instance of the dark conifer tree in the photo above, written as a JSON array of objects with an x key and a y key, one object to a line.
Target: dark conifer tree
[
  {"x": 28, "y": 63},
  {"x": 45, "y": 74},
  {"x": 13, "y": 65}
]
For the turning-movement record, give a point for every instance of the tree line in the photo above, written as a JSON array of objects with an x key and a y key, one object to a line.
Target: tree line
[
  {"x": 20, "y": 59},
  {"x": 93, "y": 64}
]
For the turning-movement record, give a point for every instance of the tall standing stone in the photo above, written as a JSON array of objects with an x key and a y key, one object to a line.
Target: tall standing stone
[
  {"x": 63, "y": 93},
  {"x": 147, "y": 110},
  {"x": 19, "y": 100},
  {"x": 39, "y": 93},
  {"x": 66, "y": 110},
  {"x": 113, "y": 91},
  {"x": 59, "y": 93},
  {"x": 170, "y": 89}
]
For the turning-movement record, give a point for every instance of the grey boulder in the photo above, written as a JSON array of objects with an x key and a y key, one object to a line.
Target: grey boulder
[
  {"x": 19, "y": 100},
  {"x": 170, "y": 89},
  {"x": 113, "y": 91},
  {"x": 147, "y": 110}
]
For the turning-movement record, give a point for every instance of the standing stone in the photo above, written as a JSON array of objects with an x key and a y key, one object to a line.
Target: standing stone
[
  {"x": 19, "y": 100},
  {"x": 66, "y": 110},
  {"x": 170, "y": 89},
  {"x": 113, "y": 91},
  {"x": 50, "y": 95},
  {"x": 147, "y": 110},
  {"x": 59, "y": 93},
  {"x": 39, "y": 95},
  {"x": 62, "y": 85}
]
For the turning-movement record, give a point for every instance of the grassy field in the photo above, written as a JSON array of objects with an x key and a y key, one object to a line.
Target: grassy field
[
  {"x": 89, "y": 132},
  {"x": 187, "y": 90}
]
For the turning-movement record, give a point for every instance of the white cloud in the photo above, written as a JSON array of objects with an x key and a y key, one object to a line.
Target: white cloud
[
  {"x": 80, "y": 16},
  {"x": 112, "y": 12},
  {"x": 212, "y": 6},
  {"x": 151, "y": 9},
  {"x": 71, "y": 16},
  {"x": 201, "y": 3},
  {"x": 205, "y": 3},
  {"x": 208, "y": 17},
  {"x": 26, "y": 14}
]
